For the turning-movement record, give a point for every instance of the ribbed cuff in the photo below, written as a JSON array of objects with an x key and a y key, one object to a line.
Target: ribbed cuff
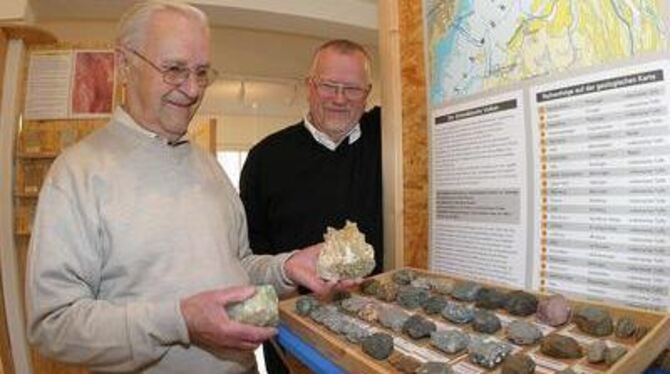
[{"x": 283, "y": 258}]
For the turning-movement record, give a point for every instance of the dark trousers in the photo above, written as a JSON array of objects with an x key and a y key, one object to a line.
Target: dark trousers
[{"x": 273, "y": 361}]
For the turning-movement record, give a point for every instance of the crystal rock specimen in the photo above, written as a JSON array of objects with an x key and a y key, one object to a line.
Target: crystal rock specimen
[
  {"x": 411, "y": 297},
  {"x": 458, "y": 313},
  {"x": 523, "y": 333},
  {"x": 404, "y": 277},
  {"x": 520, "y": 303},
  {"x": 595, "y": 352},
  {"x": 320, "y": 312},
  {"x": 449, "y": 341},
  {"x": 518, "y": 364},
  {"x": 490, "y": 298},
  {"x": 418, "y": 327},
  {"x": 387, "y": 292},
  {"x": 345, "y": 254},
  {"x": 553, "y": 310},
  {"x": 404, "y": 363},
  {"x": 466, "y": 291},
  {"x": 261, "y": 309},
  {"x": 594, "y": 321},
  {"x": 305, "y": 304},
  {"x": 434, "y": 304},
  {"x": 393, "y": 318},
  {"x": 378, "y": 346},
  {"x": 625, "y": 327},
  {"x": 485, "y": 322},
  {"x": 334, "y": 322},
  {"x": 370, "y": 287},
  {"x": 559, "y": 346},
  {"x": 487, "y": 354},
  {"x": 433, "y": 367}
]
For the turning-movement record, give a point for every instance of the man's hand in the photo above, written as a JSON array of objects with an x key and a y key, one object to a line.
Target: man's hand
[
  {"x": 301, "y": 269},
  {"x": 209, "y": 326}
]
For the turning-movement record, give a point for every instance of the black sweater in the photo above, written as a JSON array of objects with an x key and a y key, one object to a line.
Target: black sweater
[{"x": 293, "y": 188}]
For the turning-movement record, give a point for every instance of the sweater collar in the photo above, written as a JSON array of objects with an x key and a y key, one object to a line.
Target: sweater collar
[
  {"x": 323, "y": 139},
  {"x": 125, "y": 119}
]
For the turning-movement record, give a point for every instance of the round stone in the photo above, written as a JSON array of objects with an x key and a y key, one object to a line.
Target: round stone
[
  {"x": 412, "y": 297},
  {"x": 523, "y": 333},
  {"x": 559, "y": 346},
  {"x": 466, "y": 291},
  {"x": 418, "y": 327},
  {"x": 404, "y": 277},
  {"x": 370, "y": 287},
  {"x": 387, "y": 292},
  {"x": 520, "y": 303},
  {"x": 554, "y": 310},
  {"x": 449, "y": 341},
  {"x": 378, "y": 346},
  {"x": 485, "y": 322},
  {"x": 305, "y": 304},
  {"x": 594, "y": 321},
  {"x": 458, "y": 313},
  {"x": 490, "y": 298},
  {"x": 434, "y": 304},
  {"x": 518, "y": 364},
  {"x": 625, "y": 327}
]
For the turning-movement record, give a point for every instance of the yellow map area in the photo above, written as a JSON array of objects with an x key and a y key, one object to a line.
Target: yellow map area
[{"x": 478, "y": 45}]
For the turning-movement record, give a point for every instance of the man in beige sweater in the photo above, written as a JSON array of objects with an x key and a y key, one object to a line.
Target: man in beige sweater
[{"x": 140, "y": 240}]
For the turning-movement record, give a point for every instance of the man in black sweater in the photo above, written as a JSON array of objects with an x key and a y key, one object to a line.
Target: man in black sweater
[{"x": 322, "y": 171}]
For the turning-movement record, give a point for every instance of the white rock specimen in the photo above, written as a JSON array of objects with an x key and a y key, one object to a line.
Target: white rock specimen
[
  {"x": 345, "y": 254},
  {"x": 262, "y": 309}
]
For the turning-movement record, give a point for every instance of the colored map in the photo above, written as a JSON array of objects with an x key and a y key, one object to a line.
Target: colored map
[{"x": 476, "y": 45}]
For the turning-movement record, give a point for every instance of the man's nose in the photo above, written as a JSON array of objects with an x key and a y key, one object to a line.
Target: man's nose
[
  {"x": 339, "y": 95},
  {"x": 191, "y": 87}
]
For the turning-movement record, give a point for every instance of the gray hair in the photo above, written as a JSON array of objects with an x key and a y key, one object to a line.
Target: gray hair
[
  {"x": 131, "y": 29},
  {"x": 342, "y": 46}
]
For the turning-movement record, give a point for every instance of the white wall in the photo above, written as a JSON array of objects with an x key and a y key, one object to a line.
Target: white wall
[{"x": 272, "y": 66}]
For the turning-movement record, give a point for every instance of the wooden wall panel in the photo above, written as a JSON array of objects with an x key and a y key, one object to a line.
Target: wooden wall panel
[{"x": 414, "y": 134}]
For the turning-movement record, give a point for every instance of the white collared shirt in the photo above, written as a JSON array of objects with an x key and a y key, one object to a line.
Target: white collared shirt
[{"x": 323, "y": 139}]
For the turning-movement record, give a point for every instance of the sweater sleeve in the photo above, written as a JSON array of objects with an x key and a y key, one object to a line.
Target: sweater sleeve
[{"x": 66, "y": 320}]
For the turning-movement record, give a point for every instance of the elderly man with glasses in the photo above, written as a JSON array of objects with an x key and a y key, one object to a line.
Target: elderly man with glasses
[
  {"x": 322, "y": 171},
  {"x": 140, "y": 240}
]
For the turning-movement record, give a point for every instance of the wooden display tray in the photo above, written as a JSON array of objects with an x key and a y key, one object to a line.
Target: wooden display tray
[{"x": 352, "y": 359}]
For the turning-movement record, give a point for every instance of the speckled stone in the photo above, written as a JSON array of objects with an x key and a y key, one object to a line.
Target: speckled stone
[
  {"x": 520, "y": 303},
  {"x": 434, "y": 304},
  {"x": 613, "y": 354},
  {"x": 554, "y": 310},
  {"x": 487, "y": 354},
  {"x": 458, "y": 313},
  {"x": 449, "y": 341},
  {"x": 421, "y": 282},
  {"x": 369, "y": 312},
  {"x": 595, "y": 352},
  {"x": 442, "y": 286},
  {"x": 523, "y": 333},
  {"x": 418, "y": 327},
  {"x": 354, "y": 333},
  {"x": 594, "y": 321},
  {"x": 625, "y": 327},
  {"x": 370, "y": 287},
  {"x": 518, "y": 364},
  {"x": 641, "y": 332},
  {"x": 387, "y": 292},
  {"x": 305, "y": 304},
  {"x": 433, "y": 367},
  {"x": 378, "y": 346},
  {"x": 485, "y": 322},
  {"x": 404, "y": 277},
  {"x": 339, "y": 296},
  {"x": 559, "y": 346},
  {"x": 393, "y": 318},
  {"x": 404, "y": 363},
  {"x": 490, "y": 298},
  {"x": 466, "y": 291},
  {"x": 412, "y": 297},
  {"x": 334, "y": 322},
  {"x": 353, "y": 304},
  {"x": 319, "y": 313}
]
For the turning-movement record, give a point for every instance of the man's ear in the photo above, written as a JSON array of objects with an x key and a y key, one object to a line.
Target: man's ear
[{"x": 122, "y": 64}]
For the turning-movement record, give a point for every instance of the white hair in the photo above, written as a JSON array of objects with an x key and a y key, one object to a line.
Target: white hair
[{"x": 131, "y": 28}]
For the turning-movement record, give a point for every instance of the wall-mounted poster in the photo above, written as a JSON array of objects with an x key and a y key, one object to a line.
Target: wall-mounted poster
[
  {"x": 70, "y": 84},
  {"x": 93, "y": 83}
]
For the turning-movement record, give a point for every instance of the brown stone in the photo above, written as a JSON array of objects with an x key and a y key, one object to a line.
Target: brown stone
[
  {"x": 518, "y": 364},
  {"x": 404, "y": 363},
  {"x": 559, "y": 346}
]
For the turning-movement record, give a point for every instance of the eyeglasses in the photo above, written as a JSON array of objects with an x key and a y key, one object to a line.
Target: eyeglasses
[
  {"x": 332, "y": 89},
  {"x": 176, "y": 75}
]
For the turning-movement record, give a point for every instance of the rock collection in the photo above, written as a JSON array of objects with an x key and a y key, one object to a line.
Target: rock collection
[{"x": 477, "y": 315}]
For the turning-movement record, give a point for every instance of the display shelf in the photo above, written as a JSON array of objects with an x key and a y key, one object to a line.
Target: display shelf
[{"x": 351, "y": 358}]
